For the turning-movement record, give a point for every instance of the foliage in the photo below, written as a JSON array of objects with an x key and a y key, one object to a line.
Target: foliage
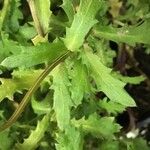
[{"x": 80, "y": 99}]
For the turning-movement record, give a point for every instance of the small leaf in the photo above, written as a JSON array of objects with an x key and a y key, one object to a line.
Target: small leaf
[
  {"x": 15, "y": 16},
  {"x": 36, "y": 135},
  {"x": 21, "y": 80},
  {"x": 83, "y": 21},
  {"x": 112, "y": 87},
  {"x": 41, "y": 107},
  {"x": 104, "y": 127},
  {"x": 79, "y": 84},
  {"x": 137, "y": 144},
  {"x": 70, "y": 140},
  {"x": 111, "y": 107},
  {"x": 34, "y": 55},
  {"x": 5, "y": 140},
  {"x": 43, "y": 13},
  {"x": 126, "y": 79},
  {"x": 108, "y": 144},
  {"x": 69, "y": 9},
  {"x": 62, "y": 99},
  {"x": 130, "y": 35}
]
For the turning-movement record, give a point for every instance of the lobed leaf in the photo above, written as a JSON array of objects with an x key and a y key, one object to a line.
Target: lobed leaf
[
  {"x": 111, "y": 107},
  {"x": 21, "y": 80},
  {"x": 43, "y": 13},
  {"x": 36, "y": 135},
  {"x": 70, "y": 140},
  {"x": 6, "y": 140},
  {"x": 130, "y": 35},
  {"x": 127, "y": 79},
  {"x": 62, "y": 99},
  {"x": 112, "y": 87},
  {"x": 34, "y": 55},
  {"x": 80, "y": 84},
  {"x": 104, "y": 127},
  {"x": 69, "y": 9},
  {"x": 41, "y": 107},
  {"x": 83, "y": 21}
]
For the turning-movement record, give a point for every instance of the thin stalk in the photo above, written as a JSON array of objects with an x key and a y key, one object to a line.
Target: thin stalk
[{"x": 35, "y": 86}]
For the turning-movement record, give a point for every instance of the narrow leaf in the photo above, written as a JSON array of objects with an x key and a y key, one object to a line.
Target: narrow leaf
[
  {"x": 130, "y": 35},
  {"x": 62, "y": 99},
  {"x": 21, "y": 80},
  {"x": 79, "y": 84},
  {"x": 43, "y": 13},
  {"x": 6, "y": 141},
  {"x": 70, "y": 140},
  {"x": 83, "y": 21},
  {"x": 69, "y": 9},
  {"x": 41, "y": 107},
  {"x": 131, "y": 80},
  {"x": 34, "y": 55},
  {"x": 36, "y": 135},
  {"x": 111, "y": 107},
  {"x": 104, "y": 127},
  {"x": 112, "y": 87}
]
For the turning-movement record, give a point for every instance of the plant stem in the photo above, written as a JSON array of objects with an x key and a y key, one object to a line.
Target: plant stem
[{"x": 35, "y": 86}]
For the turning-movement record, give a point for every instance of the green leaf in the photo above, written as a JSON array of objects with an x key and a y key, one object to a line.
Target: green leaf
[
  {"x": 80, "y": 84},
  {"x": 69, "y": 9},
  {"x": 137, "y": 144},
  {"x": 110, "y": 145},
  {"x": 41, "y": 107},
  {"x": 104, "y": 127},
  {"x": 112, "y": 87},
  {"x": 111, "y": 107},
  {"x": 6, "y": 140},
  {"x": 70, "y": 140},
  {"x": 36, "y": 135},
  {"x": 130, "y": 35},
  {"x": 62, "y": 99},
  {"x": 83, "y": 21},
  {"x": 15, "y": 16},
  {"x": 104, "y": 51},
  {"x": 33, "y": 55},
  {"x": 7, "y": 47},
  {"x": 43, "y": 13},
  {"x": 27, "y": 31},
  {"x": 21, "y": 80},
  {"x": 126, "y": 79}
]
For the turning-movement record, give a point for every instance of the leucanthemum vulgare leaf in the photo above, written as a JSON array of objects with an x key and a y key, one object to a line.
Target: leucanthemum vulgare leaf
[
  {"x": 130, "y": 35},
  {"x": 79, "y": 82},
  {"x": 62, "y": 98},
  {"x": 84, "y": 94},
  {"x": 70, "y": 140},
  {"x": 43, "y": 14},
  {"x": 104, "y": 127},
  {"x": 110, "y": 106},
  {"x": 42, "y": 106},
  {"x": 127, "y": 79},
  {"x": 83, "y": 21},
  {"x": 6, "y": 140},
  {"x": 36, "y": 135},
  {"x": 21, "y": 80},
  {"x": 69, "y": 9},
  {"x": 33, "y": 55},
  {"x": 112, "y": 87}
]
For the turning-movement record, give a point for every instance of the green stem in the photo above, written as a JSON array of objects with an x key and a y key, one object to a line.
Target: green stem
[
  {"x": 4, "y": 12},
  {"x": 35, "y": 17},
  {"x": 35, "y": 86}
]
